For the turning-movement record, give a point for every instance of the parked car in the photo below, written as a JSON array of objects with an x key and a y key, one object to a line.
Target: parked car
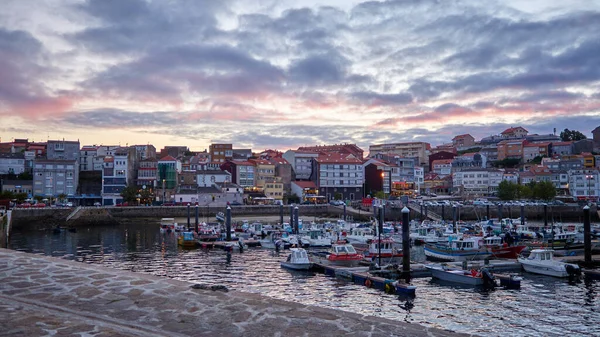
[
  {"x": 235, "y": 203},
  {"x": 97, "y": 203}
]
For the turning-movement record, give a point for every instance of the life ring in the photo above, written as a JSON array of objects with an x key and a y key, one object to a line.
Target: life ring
[
  {"x": 368, "y": 283},
  {"x": 389, "y": 288}
]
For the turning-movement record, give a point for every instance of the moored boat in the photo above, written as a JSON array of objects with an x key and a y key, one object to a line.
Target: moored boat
[
  {"x": 502, "y": 250},
  {"x": 187, "y": 240},
  {"x": 541, "y": 261},
  {"x": 463, "y": 249},
  {"x": 167, "y": 225},
  {"x": 510, "y": 281},
  {"x": 339, "y": 255},
  {"x": 468, "y": 277},
  {"x": 297, "y": 260},
  {"x": 389, "y": 254}
]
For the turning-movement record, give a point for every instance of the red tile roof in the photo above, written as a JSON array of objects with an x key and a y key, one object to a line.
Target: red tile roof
[
  {"x": 278, "y": 161},
  {"x": 167, "y": 158},
  {"x": 441, "y": 161},
  {"x": 511, "y": 130},
  {"x": 305, "y": 184},
  {"x": 462, "y": 136},
  {"x": 260, "y": 161}
]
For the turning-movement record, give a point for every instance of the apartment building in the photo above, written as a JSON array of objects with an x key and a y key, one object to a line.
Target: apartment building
[
  {"x": 584, "y": 184},
  {"x": 53, "y": 177},
  {"x": 264, "y": 171},
  {"x": 118, "y": 172},
  {"x": 477, "y": 181},
  {"x": 220, "y": 153},
  {"x": 418, "y": 150},
  {"x": 12, "y": 163},
  {"x": 335, "y": 173},
  {"x": 301, "y": 162},
  {"x": 242, "y": 172}
]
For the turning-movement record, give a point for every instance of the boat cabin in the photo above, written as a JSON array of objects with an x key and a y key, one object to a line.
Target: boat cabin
[
  {"x": 298, "y": 256},
  {"x": 188, "y": 236},
  {"x": 541, "y": 255},
  {"x": 466, "y": 244},
  {"x": 343, "y": 249},
  {"x": 492, "y": 241}
]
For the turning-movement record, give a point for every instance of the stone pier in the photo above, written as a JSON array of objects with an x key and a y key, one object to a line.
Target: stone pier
[{"x": 46, "y": 296}]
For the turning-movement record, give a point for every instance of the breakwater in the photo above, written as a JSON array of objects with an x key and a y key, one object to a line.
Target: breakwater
[{"x": 45, "y": 218}]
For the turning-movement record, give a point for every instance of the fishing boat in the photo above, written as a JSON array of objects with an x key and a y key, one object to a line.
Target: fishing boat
[
  {"x": 389, "y": 254},
  {"x": 208, "y": 233},
  {"x": 541, "y": 261},
  {"x": 297, "y": 260},
  {"x": 340, "y": 254},
  {"x": 501, "y": 249},
  {"x": 167, "y": 225},
  {"x": 510, "y": 281},
  {"x": 187, "y": 240},
  {"x": 462, "y": 249},
  {"x": 469, "y": 277}
]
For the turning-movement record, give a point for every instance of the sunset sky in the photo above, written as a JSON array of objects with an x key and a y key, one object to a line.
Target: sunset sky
[{"x": 282, "y": 74}]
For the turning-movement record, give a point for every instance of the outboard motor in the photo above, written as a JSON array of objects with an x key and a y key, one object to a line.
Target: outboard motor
[
  {"x": 489, "y": 280},
  {"x": 573, "y": 270}
]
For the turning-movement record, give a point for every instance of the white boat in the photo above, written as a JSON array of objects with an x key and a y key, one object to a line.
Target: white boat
[
  {"x": 272, "y": 240},
  {"x": 297, "y": 260},
  {"x": 316, "y": 238},
  {"x": 167, "y": 225},
  {"x": 541, "y": 261},
  {"x": 468, "y": 277},
  {"x": 360, "y": 235}
]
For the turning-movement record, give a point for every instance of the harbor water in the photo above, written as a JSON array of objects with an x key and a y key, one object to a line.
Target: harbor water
[{"x": 544, "y": 306}]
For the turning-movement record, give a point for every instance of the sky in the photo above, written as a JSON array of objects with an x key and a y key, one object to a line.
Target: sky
[{"x": 281, "y": 74}]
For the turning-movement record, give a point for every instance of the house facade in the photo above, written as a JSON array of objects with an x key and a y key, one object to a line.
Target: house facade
[
  {"x": 301, "y": 162},
  {"x": 12, "y": 163},
  {"x": 336, "y": 173},
  {"x": 514, "y": 132},
  {"x": 584, "y": 184},
  {"x": 53, "y": 177},
  {"x": 242, "y": 172},
  {"x": 478, "y": 182},
  {"x": 419, "y": 150},
  {"x": 465, "y": 140}
]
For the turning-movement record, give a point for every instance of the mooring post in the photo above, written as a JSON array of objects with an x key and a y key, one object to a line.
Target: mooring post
[
  {"x": 442, "y": 212},
  {"x": 425, "y": 209},
  {"x": 454, "y": 229},
  {"x": 500, "y": 213},
  {"x": 421, "y": 215},
  {"x": 296, "y": 220},
  {"x": 344, "y": 211},
  {"x": 406, "y": 242},
  {"x": 189, "y": 223},
  {"x": 522, "y": 214},
  {"x": 379, "y": 231},
  {"x": 587, "y": 235},
  {"x": 281, "y": 215},
  {"x": 292, "y": 223},
  {"x": 197, "y": 214},
  {"x": 228, "y": 223}
]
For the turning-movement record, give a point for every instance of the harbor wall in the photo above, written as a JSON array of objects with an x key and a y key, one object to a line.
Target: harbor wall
[
  {"x": 565, "y": 213},
  {"x": 46, "y": 218}
]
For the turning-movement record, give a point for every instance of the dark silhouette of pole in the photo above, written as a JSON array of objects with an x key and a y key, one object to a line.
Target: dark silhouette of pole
[
  {"x": 454, "y": 219},
  {"x": 425, "y": 209},
  {"x": 545, "y": 215},
  {"x": 228, "y": 223},
  {"x": 196, "y": 223},
  {"x": 189, "y": 224},
  {"x": 442, "y": 212},
  {"x": 500, "y": 213},
  {"x": 296, "y": 220},
  {"x": 522, "y": 214},
  {"x": 344, "y": 212},
  {"x": 292, "y": 223},
  {"x": 405, "y": 241},
  {"x": 379, "y": 230},
  {"x": 487, "y": 212},
  {"x": 587, "y": 235},
  {"x": 421, "y": 211},
  {"x": 281, "y": 215}
]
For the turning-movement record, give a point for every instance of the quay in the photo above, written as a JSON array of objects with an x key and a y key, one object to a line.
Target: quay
[{"x": 41, "y": 295}]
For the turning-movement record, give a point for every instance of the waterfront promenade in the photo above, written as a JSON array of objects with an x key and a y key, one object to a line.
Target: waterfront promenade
[{"x": 46, "y": 296}]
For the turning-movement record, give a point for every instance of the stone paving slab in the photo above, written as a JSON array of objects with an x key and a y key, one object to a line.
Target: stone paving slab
[{"x": 47, "y": 296}]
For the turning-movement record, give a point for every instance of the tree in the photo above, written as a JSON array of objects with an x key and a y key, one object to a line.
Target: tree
[
  {"x": 525, "y": 192},
  {"x": 537, "y": 160},
  {"x": 569, "y": 135},
  {"x": 544, "y": 190},
  {"x": 507, "y": 190},
  {"x": 507, "y": 162},
  {"x": 380, "y": 195},
  {"x": 129, "y": 193},
  {"x": 338, "y": 196}
]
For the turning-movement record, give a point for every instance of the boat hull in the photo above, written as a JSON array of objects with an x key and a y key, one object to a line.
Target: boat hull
[
  {"x": 543, "y": 269},
  {"x": 296, "y": 266},
  {"x": 435, "y": 253},
  {"x": 511, "y": 252},
  {"x": 455, "y": 276},
  {"x": 336, "y": 262}
]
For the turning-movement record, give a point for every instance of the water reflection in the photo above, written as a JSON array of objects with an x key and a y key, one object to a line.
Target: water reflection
[{"x": 532, "y": 311}]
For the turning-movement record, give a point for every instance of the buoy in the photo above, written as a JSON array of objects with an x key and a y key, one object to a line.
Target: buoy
[
  {"x": 368, "y": 283},
  {"x": 389, "y": 288}
]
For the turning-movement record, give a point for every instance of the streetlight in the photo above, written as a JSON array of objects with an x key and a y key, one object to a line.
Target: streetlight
[
  {"x": 164, "y": 192},
  {"x": 383, "y": 184},
  {"x": 589, "y": 179}
]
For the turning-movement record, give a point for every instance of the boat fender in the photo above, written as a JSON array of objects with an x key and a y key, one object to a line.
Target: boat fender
[
  {"x": 389, "y": 288},
  {"x": 368, "y": 283},
  {"x": 572, "y": 270}
]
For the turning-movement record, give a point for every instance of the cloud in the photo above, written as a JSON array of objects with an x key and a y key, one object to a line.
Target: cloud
[{"x": 21, "y": 69}]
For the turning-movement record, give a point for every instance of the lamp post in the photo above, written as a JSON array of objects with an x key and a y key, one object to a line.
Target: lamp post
[
  {"x": 383, "y": 184},
  {"x": 164, "y": 192},
  {"x": 589, "y": 179}
]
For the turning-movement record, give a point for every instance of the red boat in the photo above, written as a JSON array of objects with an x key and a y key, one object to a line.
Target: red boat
[
  {"x": 343, "y": 255},
  {"x": 502, "y": 250}
]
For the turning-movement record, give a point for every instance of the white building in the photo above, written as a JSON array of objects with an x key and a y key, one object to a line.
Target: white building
[
  {"x": 118, "y": 172},
  {"x": 12, "y": 163},
  {"x": 584, "y": 184},
  {"x": 209, "y": 178},
  {"x": 55, "y": 177},
  {"x": 478, "y": 181}
]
